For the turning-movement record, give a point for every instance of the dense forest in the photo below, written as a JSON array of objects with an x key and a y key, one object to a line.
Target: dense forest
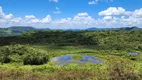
[{"x": 118, "y": 39}]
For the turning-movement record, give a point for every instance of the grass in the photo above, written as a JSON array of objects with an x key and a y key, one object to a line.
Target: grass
[
  {"x": 77, "y": 57},
  {"x": 117, "y": 63}
]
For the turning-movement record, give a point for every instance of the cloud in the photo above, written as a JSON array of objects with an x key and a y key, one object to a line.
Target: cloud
[
  {"x": 54, "y": 0},
  {"x": 57, "y": 11},
  {"x": 84, "y": 14},
  {"x": 57, "y": 8},
  {"x": 63, "y": 21},
  {"x": 97, "y": 1},
  {"x": 33, "y": 20},
  {"x": 16, "y": 20},
  {"x": 81, "y": 20},
  {"x": 137, "y": 13},
  {"x": 9, "y": 16},
  {"x": 29, "y": 16},
  {"x": 107, "y": 18},
  {"x": 47, "y": 19},
  {"x": 112, "y": 17},
  {"x": 119, "y": 17},
  {"x": 10, "y": 20},
  {"x": 93, "y": 2},
  {"x": 113, "y": 11},
  {"x": 1, "y": 13}
]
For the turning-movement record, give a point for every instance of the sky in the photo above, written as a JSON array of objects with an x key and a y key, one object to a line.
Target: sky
[{"x": 71, "y": 14}]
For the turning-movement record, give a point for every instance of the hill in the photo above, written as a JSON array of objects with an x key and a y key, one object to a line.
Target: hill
[
  {"x": 123, "y": 28},
  {"x": 20, "y": 29},
  {"x": 17, "y": 30}
]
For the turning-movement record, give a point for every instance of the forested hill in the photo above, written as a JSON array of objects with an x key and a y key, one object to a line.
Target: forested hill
[
  {"x": 20, "y": 29},
  {"x": 16, "y": 30},
  {"x": 118, "y": 39},
  {"x": 123, "y": 28}
]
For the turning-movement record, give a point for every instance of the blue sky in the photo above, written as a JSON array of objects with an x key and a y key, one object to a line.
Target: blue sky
[{"x": 67, "y": 14}]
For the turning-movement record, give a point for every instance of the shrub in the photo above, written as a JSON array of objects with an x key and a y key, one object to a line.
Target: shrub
[
  {"x": 22, "y": 53},
  {"x": 35, "y": 58},
  {"x": 123, "y": 71}
]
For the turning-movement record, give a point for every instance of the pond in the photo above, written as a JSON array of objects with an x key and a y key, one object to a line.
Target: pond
[
  {"x": 133, "y": 53},
  {"x": 76, "y": 59}
]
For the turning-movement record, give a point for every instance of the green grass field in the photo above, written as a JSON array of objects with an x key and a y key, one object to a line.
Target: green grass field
[{"x": 117, "y": 64}]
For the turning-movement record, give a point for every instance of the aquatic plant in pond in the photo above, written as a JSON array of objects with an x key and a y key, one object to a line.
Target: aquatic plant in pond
[{"x": 76, "y": 59}]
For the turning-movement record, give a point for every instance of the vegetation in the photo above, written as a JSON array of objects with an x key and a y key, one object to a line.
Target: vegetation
[
  {"x": 21, "y": 53},
  {"x": 15, "y": 30},
  {"x": 27, "y": 56},
  {"x": 101, "y": 39},
  {"x": 77, "y": 57}
]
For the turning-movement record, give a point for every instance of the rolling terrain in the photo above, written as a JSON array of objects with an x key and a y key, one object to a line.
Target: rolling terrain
[{"x": 29, "y": 55}]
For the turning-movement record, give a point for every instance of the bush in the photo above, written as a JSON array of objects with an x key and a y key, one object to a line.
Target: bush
[
  {"x": 22, "y": 53},
  {"x": 35, "y": 58},
  {"x": 123, "y": 71}
]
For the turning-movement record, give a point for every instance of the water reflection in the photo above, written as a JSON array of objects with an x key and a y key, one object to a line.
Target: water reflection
[{"x": 68, "y": 59}]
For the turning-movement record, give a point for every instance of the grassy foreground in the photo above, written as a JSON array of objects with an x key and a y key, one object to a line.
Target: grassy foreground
[{"x": 118, "y": 65}]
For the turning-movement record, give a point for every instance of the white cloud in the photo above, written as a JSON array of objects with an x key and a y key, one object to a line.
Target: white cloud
[
  {"x": 16, "y": 20},
  {"x": 81, "y": 20},
  {"x": 82, "y": 14},
  {"x": 137, "y": 13},
  {"x": 112, "y": 17},
  {"x": 93, "y": 2},
  {"x": 35, "y": 21},
  {"x": 1, "y": 13},
  {"x": 97, "y": 1},
  {"x": 57, "y": 12},
  {"x": 10, "y": 20},
  {"x": 63, "y": 21},
  {"x": 107, "y": 18},
  {"x": 47, "y": 19},
  {"x": 113, "y": 11},
  {"x": 29, "y": 16},
  {"x": 9, "y": 16},
  {"x": 2, "y": 21},
  {"x": 57, "y": 8},
  {"x": 54, "y": 0}
]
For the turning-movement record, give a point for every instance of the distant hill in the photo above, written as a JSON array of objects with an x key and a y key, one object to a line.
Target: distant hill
[
  {"x": 43, "y": 29},
  {"x": 93, "y": 28},
  {"x": 124, "y": 28},
  {"x": 20, "y": 29},
  {"x": 15, "y": 30},
  {"x": 130, "y": 28}
]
